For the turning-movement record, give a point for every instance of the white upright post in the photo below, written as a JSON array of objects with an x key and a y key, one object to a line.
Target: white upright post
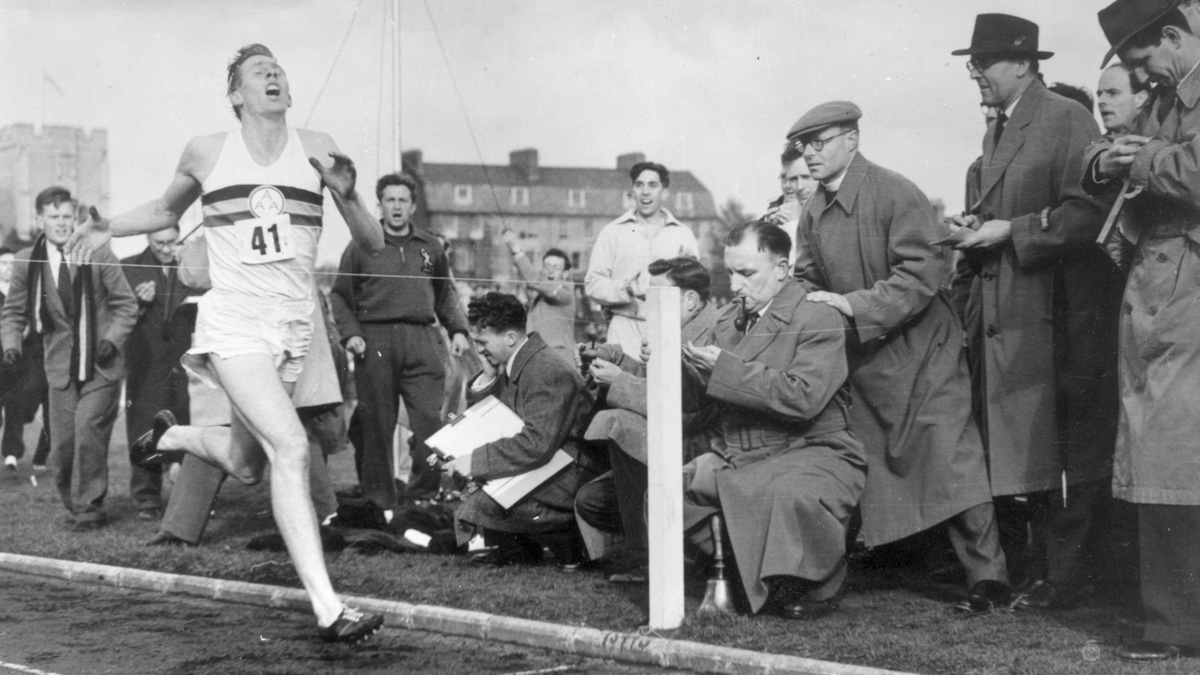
[{"x": 664, "y": 459}]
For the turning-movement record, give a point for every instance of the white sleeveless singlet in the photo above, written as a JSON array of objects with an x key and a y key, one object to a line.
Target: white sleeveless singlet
[{"x": 262, "y": 223}]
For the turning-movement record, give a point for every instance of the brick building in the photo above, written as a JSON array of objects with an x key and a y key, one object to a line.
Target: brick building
[{"x": 548, "y": 207}]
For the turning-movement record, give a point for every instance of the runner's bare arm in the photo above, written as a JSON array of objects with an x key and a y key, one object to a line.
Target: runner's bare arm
[
  {"x": 340, "y": 178},
  {"x": 197, "y": 161}
]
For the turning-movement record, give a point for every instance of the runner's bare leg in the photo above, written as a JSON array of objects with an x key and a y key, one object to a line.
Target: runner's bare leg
[{"x": 265, "y": 424}]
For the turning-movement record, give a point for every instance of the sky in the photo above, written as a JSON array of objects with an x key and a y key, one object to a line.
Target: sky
[{"x": 707, "y": 86}]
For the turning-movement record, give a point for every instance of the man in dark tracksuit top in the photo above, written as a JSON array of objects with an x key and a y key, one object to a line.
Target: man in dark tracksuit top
[{"x": 385, "y": 308}]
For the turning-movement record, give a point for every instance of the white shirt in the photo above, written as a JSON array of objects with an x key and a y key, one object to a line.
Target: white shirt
[{"x": 54, "y": 259}]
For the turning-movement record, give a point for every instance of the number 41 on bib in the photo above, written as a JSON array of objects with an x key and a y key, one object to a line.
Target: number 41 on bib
[{"x": 264, "y": 240}]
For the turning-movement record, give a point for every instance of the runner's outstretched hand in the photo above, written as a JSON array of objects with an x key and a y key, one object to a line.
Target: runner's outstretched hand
[
  {"x": 88, "y": 237},
  {"x": 340, "y": 177}
]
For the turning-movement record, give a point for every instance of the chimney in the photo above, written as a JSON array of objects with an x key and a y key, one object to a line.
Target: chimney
[
  {"x": 625, "y": 162},
  {"x": 525, "y": 161},
  {"x": 413, "y": 162}
]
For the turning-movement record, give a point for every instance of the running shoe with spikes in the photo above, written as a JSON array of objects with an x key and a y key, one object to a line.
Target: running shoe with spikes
[
  {"x": 145, "y": 452},
  {"x": 352, "y": 626}
]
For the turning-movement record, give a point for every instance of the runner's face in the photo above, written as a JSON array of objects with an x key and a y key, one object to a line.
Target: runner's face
[
  {"x": 264, "y": 87},
  {"x": 57, "y": 221},
  {"x": 396, "y": 206},
  {"x": 6, "y": 267}
]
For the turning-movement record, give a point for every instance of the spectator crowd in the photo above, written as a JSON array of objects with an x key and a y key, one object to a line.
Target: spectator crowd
[{"x": 1007, "y": 394}]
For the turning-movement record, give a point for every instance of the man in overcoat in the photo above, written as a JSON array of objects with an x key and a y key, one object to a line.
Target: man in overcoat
[
  {"x": 162, "y": 335},
  {"x": 615, "y": 502},
  {"x": 868, "y": 251},
  {"x": 1157, "y": 465},
  {"x": 84, "y": 313},
  {"x": 1042, "y": 309},
  {"x": 548, "y": 394},
  {"x": 785, "y": 471}
]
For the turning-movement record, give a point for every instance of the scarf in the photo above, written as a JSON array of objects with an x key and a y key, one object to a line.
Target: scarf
[{"x": 83, "y": 323}]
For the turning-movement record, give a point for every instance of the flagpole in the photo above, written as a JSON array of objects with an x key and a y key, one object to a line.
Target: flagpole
[{"x": 397, "y": 161}]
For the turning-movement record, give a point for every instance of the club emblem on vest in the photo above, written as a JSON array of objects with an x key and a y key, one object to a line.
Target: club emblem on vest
[
  {"x": 266, "y": 200},
  {"x": 426, "y": 262}
]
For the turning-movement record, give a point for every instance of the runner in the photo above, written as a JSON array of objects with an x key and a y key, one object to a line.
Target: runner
[{"x": 261, "y": 193}]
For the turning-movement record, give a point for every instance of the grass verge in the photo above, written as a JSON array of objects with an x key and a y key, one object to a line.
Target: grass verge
[{"x": 887, "y": 620}]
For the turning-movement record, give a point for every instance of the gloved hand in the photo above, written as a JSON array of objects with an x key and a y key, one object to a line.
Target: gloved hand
[
  {"x": 105, "y": 353},
  {"x": 11, "y": 356}
]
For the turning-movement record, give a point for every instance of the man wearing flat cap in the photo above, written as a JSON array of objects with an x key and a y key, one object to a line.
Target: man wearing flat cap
[
  {"x": 867, "y": 250},
  {"x": 1040, "y": 315},
  {"x": 1157, "y": 462}
]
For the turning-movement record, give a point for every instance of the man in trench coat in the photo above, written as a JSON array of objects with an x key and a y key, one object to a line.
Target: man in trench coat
[
  {"x": 867, "y": 242},
  {"x": 785, "y": 471},
  {"x": 1157, "y": 465},
  {"x": 1041, "y": 313}
]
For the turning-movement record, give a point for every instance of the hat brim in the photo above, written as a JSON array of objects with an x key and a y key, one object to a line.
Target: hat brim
[
  {"x": 1121, "y": 44},
  {"x": 974, "y": 51}
]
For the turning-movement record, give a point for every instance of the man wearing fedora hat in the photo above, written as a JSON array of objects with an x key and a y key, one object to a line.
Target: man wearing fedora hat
[
  {"x": 867, "y": 249},
  {"x": 1040, "y": 315},
  {"x": 1157, "y": 462}
]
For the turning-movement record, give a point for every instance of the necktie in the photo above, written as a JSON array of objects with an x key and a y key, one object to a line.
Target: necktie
[
  {"x": 65, "y": 293},
  {"x": 751, "y": 319},
  {"x": 1000, "y": 120},
  {"x": 1166, "y": 104}
]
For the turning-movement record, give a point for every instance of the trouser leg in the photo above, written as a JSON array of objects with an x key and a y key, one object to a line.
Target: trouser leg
[
  {"x": 630, "y": 480},
  {"x": 94, "y": 418},
  {"x": 975, "y": 536},
  {"x": 13, "y": 443},
  {"x": 41, "y": 454},
  {"x": 1071, "y": 532},
  {"x": 422, "y": 384},
  {"x": 63, "y": 403},
  {"x": 596, "y": 504},
  {"x": 195, "y": 490},
  {"x": 1170, "y": 565},
  {"x": 1014, "y": 516},
  {"x": 375, "y": 379},
  {"x": 142, "y": 403}
]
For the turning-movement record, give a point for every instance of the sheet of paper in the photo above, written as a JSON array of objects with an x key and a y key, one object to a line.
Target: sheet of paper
[
  {"x": 486, "y": 421},
  {"x": 509, "y": 491}
]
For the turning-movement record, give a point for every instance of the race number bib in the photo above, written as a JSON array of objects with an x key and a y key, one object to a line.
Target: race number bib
[{"x": 264, "y": 240}]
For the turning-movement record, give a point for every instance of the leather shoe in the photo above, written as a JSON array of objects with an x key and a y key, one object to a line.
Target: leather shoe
[
  {"x": 164, "y": 538},
  {"x": 807, "y": 610},
  {"x": 90, "y": 525},
  {"x": 1055, "y": 596},
  {"x": 507, "y": 555},
  {"x": 1148, "y": 651},
  {"x": 145, "y": 452},
  {"x": 986, "y": 596}
]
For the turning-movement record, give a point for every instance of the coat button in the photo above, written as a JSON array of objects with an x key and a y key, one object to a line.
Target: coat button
[
  {"x": 1128, "y": 309},
  {"x": 991, "y": 331},
  {"x": 1162, "y": 257},
  {"x": 1152, "y": 311}
]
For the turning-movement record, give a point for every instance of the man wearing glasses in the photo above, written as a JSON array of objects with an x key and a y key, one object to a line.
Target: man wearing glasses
[
  {"x": 867, "y": 250},
  {"x": 1041, "y": 315}
]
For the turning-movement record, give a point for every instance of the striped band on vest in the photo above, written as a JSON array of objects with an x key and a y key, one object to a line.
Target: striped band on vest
[{"x": 230, "y": 204}]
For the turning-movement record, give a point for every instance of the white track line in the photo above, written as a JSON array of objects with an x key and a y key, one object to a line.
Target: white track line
[{"x": 25, "y": 669}]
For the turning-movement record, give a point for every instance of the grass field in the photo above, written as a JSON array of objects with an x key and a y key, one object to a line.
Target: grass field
[{"x": 887, "y": 620}]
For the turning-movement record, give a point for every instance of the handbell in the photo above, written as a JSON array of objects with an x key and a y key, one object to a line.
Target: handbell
[{"x": 716, "y": 595}]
